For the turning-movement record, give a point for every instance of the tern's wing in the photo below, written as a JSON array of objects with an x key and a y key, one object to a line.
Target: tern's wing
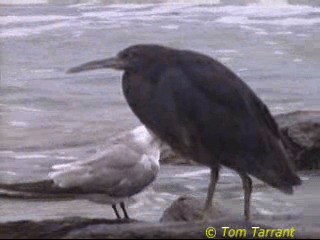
[
  {"x": 137, "y": 177},
  {"x": 101, "y": 173}
]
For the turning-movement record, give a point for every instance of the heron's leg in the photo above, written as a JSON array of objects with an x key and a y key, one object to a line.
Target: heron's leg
[
  {"x": 247, "y": 187},
  {"x": 116, "y": 211},
  {"x": 124, "y": 210},
  {"x": 213, "y": 182}
]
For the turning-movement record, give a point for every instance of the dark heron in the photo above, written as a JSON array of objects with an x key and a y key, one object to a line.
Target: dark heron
[{"x": 205, "y": 112}]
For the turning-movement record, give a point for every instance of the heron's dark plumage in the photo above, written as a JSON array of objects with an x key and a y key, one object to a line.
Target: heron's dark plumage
[{"x": 205, "y": 111}]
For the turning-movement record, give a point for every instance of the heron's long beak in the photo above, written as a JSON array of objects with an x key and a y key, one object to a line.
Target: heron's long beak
[{"x": 114, "y": 62}]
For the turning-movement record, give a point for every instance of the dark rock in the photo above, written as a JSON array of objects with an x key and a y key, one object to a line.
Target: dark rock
[
  {"x": 190, "y": 209},
  {"x": 168, "y": 156},
  {"x": 301, "y": 131},
  {"x": 184, "y": 210},
  {"x": 47, "y": 228},
  {"x": 190, "y": 230},
  {"x": 75, "y": 228}
]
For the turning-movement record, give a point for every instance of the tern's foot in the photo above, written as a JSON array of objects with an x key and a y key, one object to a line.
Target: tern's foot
[{"x": 130, "y": 220}]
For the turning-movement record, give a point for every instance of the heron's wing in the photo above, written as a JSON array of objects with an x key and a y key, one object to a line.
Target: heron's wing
[
  {"x": 208, "y": 105},
  {"x": 222, "y": 85},
  {"x": 196, "y": 107},
  {"x": 233, "y": 102}
]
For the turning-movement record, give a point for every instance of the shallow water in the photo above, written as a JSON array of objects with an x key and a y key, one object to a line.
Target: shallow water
[
  {"x": 48, "y": 117},
  {"x": 268, "y": 205}
]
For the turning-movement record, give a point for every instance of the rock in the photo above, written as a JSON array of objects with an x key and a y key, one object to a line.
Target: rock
[
  {"x": 47, "y": 228},
  {"x": 190, "y": 209},
  {"x": 76, "y": 228},
  {"x": 301, "y": 131},
  {"x": 190, "y": 230},
  {"x": 185, "y": 210},
  {"x": 168, "y": 156}
]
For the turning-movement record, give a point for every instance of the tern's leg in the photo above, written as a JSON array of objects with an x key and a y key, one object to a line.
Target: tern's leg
[
  {"x": 124, "y": 210},
  {"x": 116, "y": 211},
  {"x": 213, "y": 181},
  {"x": 247, "y": 187}
]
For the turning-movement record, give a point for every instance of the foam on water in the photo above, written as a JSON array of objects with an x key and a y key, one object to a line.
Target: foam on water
[
  {"x": 283, "y": 15},
  {"x": 43, "y": 70},
  {"x": 195, "y": 1},
  {"x": 23, "y": 1},
  {"x": 278, "y": 22},
  {"x": 284, "y": 33},
  {"x": 30, "y": 156},
  {"x": 243, "y": 70},
  {"x": 277, "y": 52},
  {"x": 265, "y": 211},
  {"x": 270, "y": 43},
  {"x": 18, "y": 124},
  {"x": 227, "y": 174},
  {"x": 4, "y": 20},
  {"x": 66, "y": 158},
  {"x": 297, "y": 60},
  {"x": 25, "y": 31},
  {"x": 128, "y": 6},
  {"x": 21, "y": 108},
  {"x": 302, "y": 35},
  {"x": 170, "y": 27},
  {"x": 193, "y": 173},
  {"x": 250, "y": 11},
  {"x": 226, "y": 51},
  {"x": 261, "y": 33},
  {"x": 264, "y": 12},
  {"x": 9, "y": 173}
]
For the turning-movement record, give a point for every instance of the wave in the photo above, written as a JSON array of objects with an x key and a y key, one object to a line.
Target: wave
[
  {"x": 278, "y": 22},
  {"x": 254, "y": 14},
  {"x": 25, "y": 31},
  {"x": 4, "y": 20}
]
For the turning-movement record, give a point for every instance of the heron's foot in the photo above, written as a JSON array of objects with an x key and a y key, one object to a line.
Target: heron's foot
[
  {"x": 247, "y": 217},
  {"x": 207, "y": 213},
  {"x": 247, "y": 187},
  {"x": 205, "y": 217}
]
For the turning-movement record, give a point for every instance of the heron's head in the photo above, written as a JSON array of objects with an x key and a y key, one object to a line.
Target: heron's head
[{"x": 134, "y": 58}]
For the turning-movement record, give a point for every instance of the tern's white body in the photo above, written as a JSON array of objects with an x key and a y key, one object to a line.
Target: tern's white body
[{"x": 128, "y": 165}]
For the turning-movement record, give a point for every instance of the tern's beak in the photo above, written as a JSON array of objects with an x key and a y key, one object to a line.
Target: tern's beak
[{"x": 114, "y": 63}]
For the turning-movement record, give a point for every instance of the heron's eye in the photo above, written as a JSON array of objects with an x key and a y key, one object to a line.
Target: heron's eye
[
  {"x": 124, "y": 55},
  {"x": 129, "y": 55},
  {"x": 133, "y": 54}
]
